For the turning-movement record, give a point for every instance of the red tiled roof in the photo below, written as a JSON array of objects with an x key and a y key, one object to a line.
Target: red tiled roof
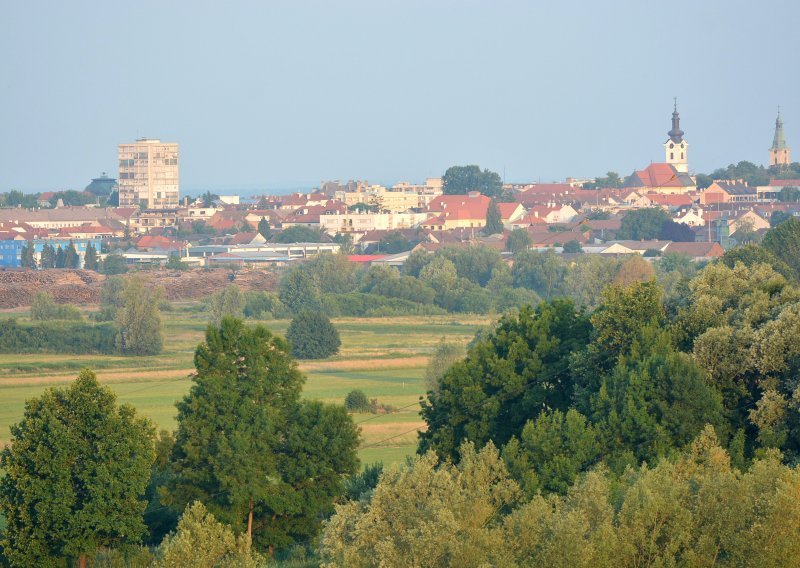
[
  {"x": 670, "y": 200},
  {"x": 785, "y": 182},
  {"x": 364, "y": 258},
  {"x": 659, "y": 175},
  {"x": 507, "y": 209},
  {"x": 461, "y": 207}
]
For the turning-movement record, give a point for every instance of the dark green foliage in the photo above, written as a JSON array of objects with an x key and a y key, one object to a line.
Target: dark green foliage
[
  {"x": 611, "y": 180},
  {"x": 246, "y": 444},
  {"x": 572, "y": 246},
  {"x": 72, "y": 198},
  {"x": 299, "y": 290},
  {"x": 61, "y": 258},
  {"x": 300, "y": 234},
  {"x": 48, "y": 256},
  {"x": 643, "y": 224},
  {"x": 71, "y": 258},
  {"x": 551, "y": 451},
  {"x": 359, "y": 304},
  {"x": 113, "y": 264},
  {"x": 789, "y": 194},
  {"x": 677, "y": 232},
  {"x": 494, "y": 223},
  {"x": 394, "y": 242},
  {"x": 313, "y": 336},
  {"x": 750, "y": 255},
  {"x": 262, "y": 305},
  {"x": 475, "y": 263},
  {"x": 159, "y": 518},
  {"x": 174, "y": 262},
  {"x": 44, "y": 308},
  {"x": 778, "y": 217},
  {"x": 264, "y": 229},
  {"x": 56, "y": 337},
  {"x": 415, "y": 262},
  {"x": 75, "y": 474},
  {"x": 360, "y": 485},
  {"x": 333, "y": 273},
  {"x": 405, "y": 288},
  {"x": 518, "y": 241},
  {"x": 356, "y": 401},
  {"x": 90, "y": 258},
  {"x": 460, "y": 180},
  {"x": 345, "y": 243},
  {"x": 655, "y": 400},
  {"x": 783, "y": 241},
  {"x": 507, "y": 378},
  {"x": 542, "y": 272}
]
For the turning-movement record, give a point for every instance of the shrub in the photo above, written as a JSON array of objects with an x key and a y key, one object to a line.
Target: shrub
[
  {"x": 44, "y": 308},
  {"x": 313, "y": 336},
  {"x": 356, "y": 401},
  {"x": 56, "y": 337}
]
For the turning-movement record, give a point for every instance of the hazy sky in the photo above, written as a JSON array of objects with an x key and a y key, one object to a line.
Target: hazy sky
[{"x": 284, "y": 94}]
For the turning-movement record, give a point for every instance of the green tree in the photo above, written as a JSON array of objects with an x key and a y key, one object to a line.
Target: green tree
[
  {"x": 248, "y": 448},
  {"x": 113, "y": 264},
  {"x": 75, "y": 473},
  {"x": 264, "y": 229},
  {"x": 778, "y": 217},
  {"x": 61, "y": 258},
  {"x": 138, "y": 319},
  {"x": 174, "y": 262},
  {"x": 48, "y": 257},
  {"x": 71, "y": 258},
  {"x": 552, "y": 451},
  {"x": 226, "y": 303},
  {"x": 299, "y": 290},
  {"x": 455, "y": 524},
  {"x": 542, "y": 272},
  {"x": 789, "y": 194},
  {"x": 394, "y": 242},
  {"x": 345, "y": 242},
  {"x": 333, "y": 273},
  {"x": 643, "y": 224},
  {"x": 415, "y": 262},
  {"x": 300, "y": 234},
  {"x": 202, "y": 541},
  {"x": 783, "y": 241},
  {"x": 208, "y": 199},
  {"x": 611, "y": 180},
  {"x": 313, "y": 336},
  {"x": 444, "y": 356},
  {"x": 90, "y": 257},
  {"x": 518, "y": 241},
  {"x": 573, "y": 246},
  {"x": 507, "y": 378},
  {"x": 44, "y": 308},
  {"x": 494, "y": 223},
  {"x": 356, "y": 401},
  {"x": 460, "y": 180}
]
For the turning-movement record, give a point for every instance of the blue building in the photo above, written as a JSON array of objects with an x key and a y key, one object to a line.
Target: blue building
[{"x": 11, "y": 252}]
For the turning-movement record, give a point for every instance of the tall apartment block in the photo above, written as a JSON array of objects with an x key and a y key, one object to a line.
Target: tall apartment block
[{"x": 148, "y": 174}]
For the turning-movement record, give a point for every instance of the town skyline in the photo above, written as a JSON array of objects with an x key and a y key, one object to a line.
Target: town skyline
[{"x": 537, "y": 93}]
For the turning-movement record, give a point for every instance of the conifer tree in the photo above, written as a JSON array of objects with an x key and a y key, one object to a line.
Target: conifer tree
[
  {"x": 60, "y": 258},
  {"x": 494, "y": 223},
  {"x": 71, "y": 258},
  {"x": 264, "y": 228},
  {"x": 48, "y": 259},
  {"x": 90, "y": 258}
]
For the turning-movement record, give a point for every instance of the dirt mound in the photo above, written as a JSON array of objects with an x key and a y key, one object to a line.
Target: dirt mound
[{"x": 18, "y": 287}]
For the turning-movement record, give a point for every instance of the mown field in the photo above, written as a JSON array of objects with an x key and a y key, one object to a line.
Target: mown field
[{"x": 384, "y": 357}]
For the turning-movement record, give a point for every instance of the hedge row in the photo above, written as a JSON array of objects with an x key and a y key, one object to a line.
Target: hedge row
[{"x": 56, "y": 337}]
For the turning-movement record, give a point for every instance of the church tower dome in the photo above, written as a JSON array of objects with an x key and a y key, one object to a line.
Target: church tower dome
[
  {"x": 676, "y": 148},
  {"x": 779, "y": 154}
]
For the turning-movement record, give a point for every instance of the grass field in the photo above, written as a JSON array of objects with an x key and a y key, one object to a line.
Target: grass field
[{"x": 384, "y": 357}]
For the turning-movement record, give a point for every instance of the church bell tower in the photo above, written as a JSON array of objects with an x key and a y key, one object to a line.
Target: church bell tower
[
  {"x": 779, "y": 154},
  {"x": 675, "y": 148}
]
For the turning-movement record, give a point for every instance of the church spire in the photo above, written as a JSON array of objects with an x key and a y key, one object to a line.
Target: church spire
[
  {"x": 676, "y": 134},
  {"x": 779, "y": 142}
]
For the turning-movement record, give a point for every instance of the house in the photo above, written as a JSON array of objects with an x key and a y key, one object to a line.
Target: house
[
  {"x": 447, "y": 212},
  {"x": 696, "y": 251},
  {"x": 725, "y": 191},
  {"x": 364, "y": 222},
  {"x": 692, "y": 217},
  {"x": 750, "y": 220},
  {"x": 660, "y": 178},
  {"x": 554, "y": 213},
  {"x": 635, "y": 247},
  {"x": 510, "y": 212},
  {"x": 670, "y": 201},
  {"x": 772, "y": 191}
]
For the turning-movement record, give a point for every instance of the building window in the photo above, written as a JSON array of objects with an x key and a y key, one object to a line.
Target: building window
[{"x": 671, "y": 156}]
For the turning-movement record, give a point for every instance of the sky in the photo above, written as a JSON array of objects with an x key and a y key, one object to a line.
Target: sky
[{"x": 275, "y": 95}]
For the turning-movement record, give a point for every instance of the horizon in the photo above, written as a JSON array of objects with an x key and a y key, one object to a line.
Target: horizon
[{"x": 384, "y": 93}]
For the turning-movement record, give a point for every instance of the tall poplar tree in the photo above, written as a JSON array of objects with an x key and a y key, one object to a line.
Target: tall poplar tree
[
  {"x": 75, "y": 474},
  {"x": 261, "y": 460},
  {"x": 90, "y": 258},
  {"x": 494, "y": 223}
]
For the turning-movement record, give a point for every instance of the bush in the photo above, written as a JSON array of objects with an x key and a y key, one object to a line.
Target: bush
[
  {"x": 313, "y": 336},
  {"x": 56, "y": 337},
  {"x": 356, "y": 401},
  {"x": 362, "y": 304},
  {"x": 44, "y": 308},
  {"x": 113, "y": 264},
  {"x": 261, "y": 305}
]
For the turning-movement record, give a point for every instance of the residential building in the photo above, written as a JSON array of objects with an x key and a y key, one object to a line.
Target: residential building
[
  {"x": 727, "y": 191},
  {"x": 772, "y": 192},
  {"x": 779, "y": 153},
  {"x": 362, "y": 222},
  {"x": 148, "y": 174},
  {"x": 457, "y": 211}
]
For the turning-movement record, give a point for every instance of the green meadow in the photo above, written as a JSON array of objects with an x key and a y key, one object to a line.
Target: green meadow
[{"x": 384, "y": 357}]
